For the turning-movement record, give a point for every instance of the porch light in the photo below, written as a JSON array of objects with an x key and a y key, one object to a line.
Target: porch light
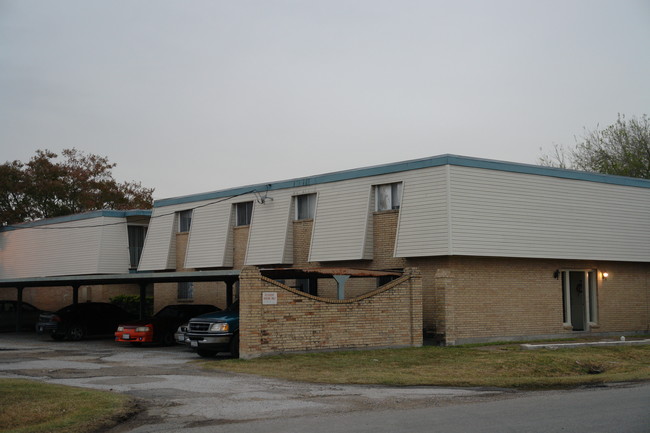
[{"x": 605, "y": 275}]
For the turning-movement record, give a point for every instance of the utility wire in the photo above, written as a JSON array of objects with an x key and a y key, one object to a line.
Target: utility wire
[{"x": 18, "y": 227}]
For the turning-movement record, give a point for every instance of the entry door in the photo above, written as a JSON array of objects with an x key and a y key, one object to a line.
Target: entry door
[
  {"x": 579, "y": 298},
  {"x": 578, "y": 287}
]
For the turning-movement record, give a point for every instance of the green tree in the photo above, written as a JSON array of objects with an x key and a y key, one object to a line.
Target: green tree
[
  {"x": 45, "y": 187},
  {"x": 622, "y": 149}
]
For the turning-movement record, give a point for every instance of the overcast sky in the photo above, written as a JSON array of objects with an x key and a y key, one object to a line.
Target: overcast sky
[{"x": 195, "y": 96}]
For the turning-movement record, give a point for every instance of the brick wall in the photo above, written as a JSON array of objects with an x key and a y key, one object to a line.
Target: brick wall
[
  {"x": 240, "y": 243},
  {"x": 302, "y": 231},
  {"x": 487, "y": 299},
  {"x": 388, "y": 317}
]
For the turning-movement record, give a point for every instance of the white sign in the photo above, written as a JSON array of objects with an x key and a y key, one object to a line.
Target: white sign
[{"x": 269, "y": 298}]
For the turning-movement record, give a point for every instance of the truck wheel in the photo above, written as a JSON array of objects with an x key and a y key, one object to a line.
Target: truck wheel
[
  {"x": 234, "y": 346},
  {"x": 206, "y": 353}
]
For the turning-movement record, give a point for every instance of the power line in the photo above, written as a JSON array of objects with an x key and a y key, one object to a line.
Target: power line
[{"x": 18, "y": 227}]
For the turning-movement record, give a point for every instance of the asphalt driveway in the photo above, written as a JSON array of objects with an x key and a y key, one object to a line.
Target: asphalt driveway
[{"x": 177, "y": 394}]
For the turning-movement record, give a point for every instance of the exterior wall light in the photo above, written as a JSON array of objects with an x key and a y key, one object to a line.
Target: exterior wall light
[{"x": 605, "y": 275}]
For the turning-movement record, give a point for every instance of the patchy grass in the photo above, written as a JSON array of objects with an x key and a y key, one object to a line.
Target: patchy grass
[
  {"x": 504, "y": 366},
  {"x": 33, "y": 407}
]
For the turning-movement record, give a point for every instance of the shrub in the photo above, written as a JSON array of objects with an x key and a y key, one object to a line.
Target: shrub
[{"x": 131, "y": 303}]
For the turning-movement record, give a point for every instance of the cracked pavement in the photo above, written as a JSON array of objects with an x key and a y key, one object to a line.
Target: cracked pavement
[{"x": 176, "y": 393}]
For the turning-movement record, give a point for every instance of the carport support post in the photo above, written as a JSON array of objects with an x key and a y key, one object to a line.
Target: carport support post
[
  {"x": 143, "y": 300},
  {"x": 340, "y": 285},
  {"x": 229, "y": 286},
  {"x": 75, "y": 294},
  {"x": 19, "y": 308}
]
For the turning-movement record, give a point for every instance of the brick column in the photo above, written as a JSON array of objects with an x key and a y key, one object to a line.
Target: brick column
[
  {"x": 415, "y": 284},
  {"x": 443, "y": 281},
  {"x": 250, "y": 312}
]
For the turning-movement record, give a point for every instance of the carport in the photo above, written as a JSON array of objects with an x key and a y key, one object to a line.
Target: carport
[{"x": 229, "y": 277}]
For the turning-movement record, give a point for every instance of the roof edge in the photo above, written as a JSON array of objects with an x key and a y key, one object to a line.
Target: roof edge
[
  {"x": 108, "y": 213},
  {"x": 415, "y": 164}
]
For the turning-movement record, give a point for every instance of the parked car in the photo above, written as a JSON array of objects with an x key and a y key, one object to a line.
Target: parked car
[
  {"x": 217, "y": 332},
  {"x": 180, "y": 334},
  {"x": 161, "y": 326},
  {"x": 78, "y": 321},
  {"x": 8, "y": 309}
]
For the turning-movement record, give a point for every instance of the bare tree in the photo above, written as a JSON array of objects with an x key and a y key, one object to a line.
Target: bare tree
[{"x": 622, "y": 148}]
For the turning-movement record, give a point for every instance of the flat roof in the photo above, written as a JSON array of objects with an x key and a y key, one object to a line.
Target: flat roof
[{"x": 415, "y": 164}]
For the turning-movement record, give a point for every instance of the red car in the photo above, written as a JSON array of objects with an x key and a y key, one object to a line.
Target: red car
[{"x": 161, "y": 326}]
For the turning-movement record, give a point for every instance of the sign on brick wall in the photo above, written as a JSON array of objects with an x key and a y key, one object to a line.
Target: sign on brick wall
[{"x": 269, "y": 298}]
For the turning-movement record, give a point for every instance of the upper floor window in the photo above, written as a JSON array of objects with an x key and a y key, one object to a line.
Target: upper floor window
[
  {"x": 184, "y": 221},
  {"x": 185, "y": 290},
  {"x": 244, "y": 213},
  {"x": 388, "y": 196},
  {"x": 136, "y": 243},
  {"x": 305, "y": 206}
]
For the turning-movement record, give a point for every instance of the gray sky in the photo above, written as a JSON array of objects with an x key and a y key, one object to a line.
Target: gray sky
[{"x": 194, "y": 96}]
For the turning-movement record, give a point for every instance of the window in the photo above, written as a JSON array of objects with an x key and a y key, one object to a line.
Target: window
[
  {"x": 579, "y": 299},
  {"x": 305, "y": 206},
  {"x": 388, "y": 196},
  {"x": 184, "y": 221},
  {"x": 383, "y": 280},
  {"x": 244, "y": 213},
  {"x": 185, "y": 290},
  {"x": 307, "y": 285},
  {"x": 136, "y": 243}
]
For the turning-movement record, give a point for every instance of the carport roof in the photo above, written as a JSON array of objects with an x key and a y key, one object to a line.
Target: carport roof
[
  {"x": 195, "y": 276},
  {"x": 307, "y": 272},
  {"x": 134, "y": 278}
]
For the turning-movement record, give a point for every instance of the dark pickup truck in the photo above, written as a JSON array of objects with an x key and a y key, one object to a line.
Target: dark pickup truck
[{"x": 215, "y": 332}]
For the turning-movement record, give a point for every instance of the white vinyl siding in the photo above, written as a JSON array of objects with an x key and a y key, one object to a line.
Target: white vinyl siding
[
  {"x": 269, "y": 234},
  {"x": 423, "y": 228},
  {"x": 82, "y": 247},
  {"x": 496, "y": 213},
  {"x": 445, "y": 210},
  {"x": 114, "y": 255},
  {"x": 157, "y": 253},
  {"x": 210, "y": 242},
  {"x": 341, "y": 224}
]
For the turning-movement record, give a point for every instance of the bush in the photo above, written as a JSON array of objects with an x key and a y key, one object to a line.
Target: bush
[{"x": 131, "y": 303}]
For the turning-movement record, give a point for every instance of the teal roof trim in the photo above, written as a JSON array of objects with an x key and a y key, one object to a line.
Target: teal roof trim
[
  {"x": 436, "y": 161},
  {"x": 80, "y": 217}
]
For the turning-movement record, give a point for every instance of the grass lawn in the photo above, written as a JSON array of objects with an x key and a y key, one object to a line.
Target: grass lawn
[
  {"x": 491, "y": 366},
  {"x": 32, "y": 407}
]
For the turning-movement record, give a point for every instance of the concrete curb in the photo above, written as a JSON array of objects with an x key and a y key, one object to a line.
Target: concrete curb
[{"x": 589, "y": 344}]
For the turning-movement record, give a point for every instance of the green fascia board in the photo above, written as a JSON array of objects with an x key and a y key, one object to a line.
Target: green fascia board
[
  {"x": 79, "y": 217},
  {"x": 416, "y": 164}
]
